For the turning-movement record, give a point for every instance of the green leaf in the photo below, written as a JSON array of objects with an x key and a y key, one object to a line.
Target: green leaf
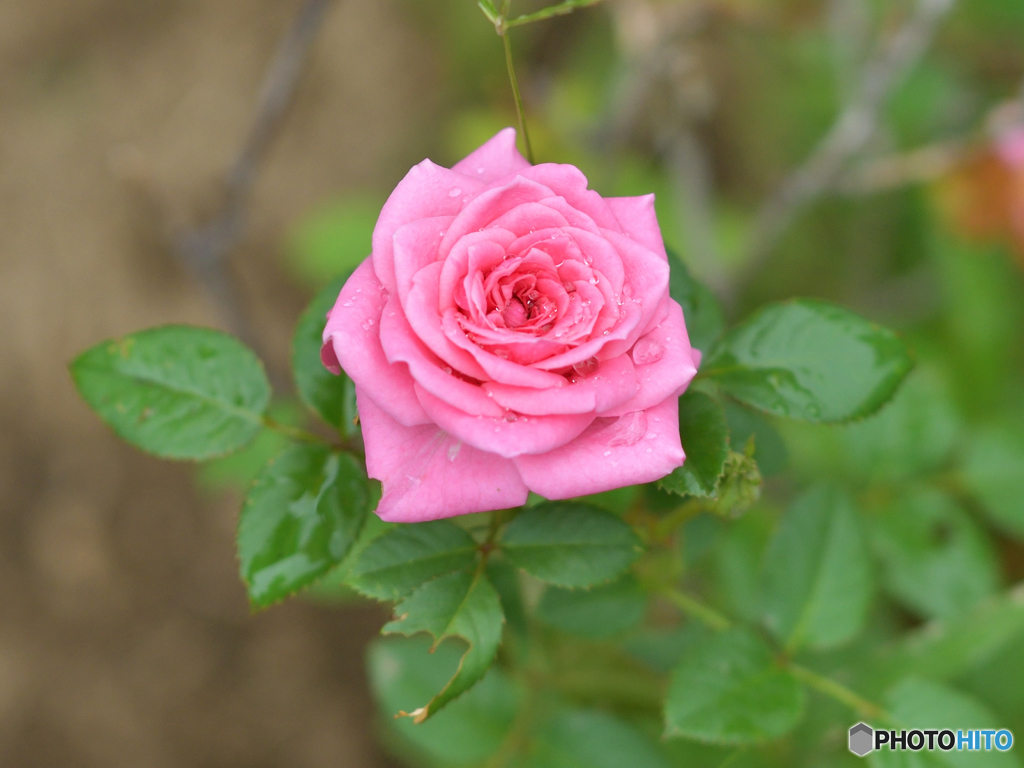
[
  {"x": 463, "y": 605},
  {"x": 817, "y": 573},
  {"x": 705, "y": 437},
  {"x": 396, "y": 563},
  {"x": 701, "y": 310},
  {"x": 729, "y": 690},
  {"x": 570, "y": 544},
  {"x": 923, "y": 704},
  {"x": 994, "y": 472},
  {"x": 807, "y": 359},
  {"x": 603, "y": 611},
  {"x": 176, "y": 391},
  {"x": 404, "y": 673},
  {"x": 330, "y": 397},
  {"x": 301, "y": 517},
  {"x": 935, "y": 559},
  {"x": 591, "y": 739}
]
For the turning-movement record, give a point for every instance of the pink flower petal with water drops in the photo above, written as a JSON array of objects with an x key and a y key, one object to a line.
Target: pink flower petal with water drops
[
  {"x": 481, "y": 212},
  {"x": 495, "y": 160},
  {"x": 415, "y": 247},
  {"x": 609, "y": 454},
  {"x": 664, "y": 363},
  {"x": 353, "y": 331},
  {"x": 402, "y": 346},
  {"x": 425, "y": 192},
  {"x": 611, "y": 384},
  {"x": 427, "y": 474},
  {"x": 509, "y": 436}
]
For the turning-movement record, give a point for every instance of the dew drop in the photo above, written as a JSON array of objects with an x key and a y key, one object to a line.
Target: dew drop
[
  {"x": 454, "y": 192},
  {"x": 629, "y": 429},
  {"x": 480, "y": 169},
  {"x": 347, "y": 303},
  {"x": 447, "y": 369},
  {"x": 510, "y": 417},
  {"x": 367, "y": 324},
  {"x": 607, "y": 453},
  {"x": 586, "y": 367},
  {"x": 606, "y": 333},
  {"x": 595, "y": 280},
  {"x": 647, "y": 351}
]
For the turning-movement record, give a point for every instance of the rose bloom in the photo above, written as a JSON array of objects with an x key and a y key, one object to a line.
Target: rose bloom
[{"x": 511, "y": 331}]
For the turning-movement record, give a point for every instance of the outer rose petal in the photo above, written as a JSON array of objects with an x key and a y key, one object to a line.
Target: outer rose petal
[
  {"x": 664, "y": 376},
  {"x": 639, "y": 221},
  {"x": 494, "y": 160},
  {"x": 609, "y": 455},
  {"x": 427, "y": 474},
  {"x": 425, "y": 192},
  {"x": 569, "y": 182},
  {"x": 525, "y": 434},
  {"x": 353, "y": 331}
]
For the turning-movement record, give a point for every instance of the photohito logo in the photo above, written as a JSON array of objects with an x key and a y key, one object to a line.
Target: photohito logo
[{"x": 864, "y": 739}]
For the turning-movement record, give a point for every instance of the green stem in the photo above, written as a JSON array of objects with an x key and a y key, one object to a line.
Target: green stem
[
  {"x": 837, "y": 691},
  {"x": 295, "y": 433},
  {"x": 696, "y": 609},
  {"x": 552, "y": 10},
  {"x": 515, "y": 93}
]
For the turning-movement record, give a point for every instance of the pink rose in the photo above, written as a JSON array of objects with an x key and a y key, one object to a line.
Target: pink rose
[{"x": 511, "y": 331}]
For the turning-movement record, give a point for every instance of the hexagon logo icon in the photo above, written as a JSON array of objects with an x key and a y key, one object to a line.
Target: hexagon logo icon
[{"x": 861, "y": 739}]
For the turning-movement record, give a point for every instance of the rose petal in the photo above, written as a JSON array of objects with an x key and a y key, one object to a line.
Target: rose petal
[
  {"x": 415, "y": 247},
  {"x": 353, "y": 331},
  {"x": 603, "y": 457},
  {"x": 425, "y": 192},
  {"x": 494, "y": 367},
  {"x": 494, "y": 160},
  {"x": 569, "y": 182},
  {"x": 490, "y": 205},
  {"x": 613, "y": 383},
  {"x": 639, "y": 221},
  {"x": 664, "y": 364},
  {"x": 402, "y": 345},
  {"x": 428, "y": 474},
  {"x": 505, "y": 437},
  {"x": 423, "y": 316}
]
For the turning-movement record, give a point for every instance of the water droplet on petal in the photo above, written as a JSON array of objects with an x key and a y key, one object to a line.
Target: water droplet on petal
[
  {"x": 629, "y": 429},
  {"x": 607, "y": 453},
  {"x": 447, "y": 369},
  {"x": 510, "y": 416},
  {"x": 367, "y": 324},
  {"x": 480, "y": 169},
  {"x": 347, "y": 303},
  {"x": 647, "y": 351},
  {"x": 454, "y": 192},
  {"x": 595, "y": 280},
  {"x": 586, "y": 367}
]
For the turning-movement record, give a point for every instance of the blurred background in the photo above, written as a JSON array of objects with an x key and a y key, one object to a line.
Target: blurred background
[{"x": 866, "y": 151}]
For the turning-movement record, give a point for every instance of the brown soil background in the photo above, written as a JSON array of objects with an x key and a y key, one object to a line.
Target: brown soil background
[{"x": 125, "y": 636}]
